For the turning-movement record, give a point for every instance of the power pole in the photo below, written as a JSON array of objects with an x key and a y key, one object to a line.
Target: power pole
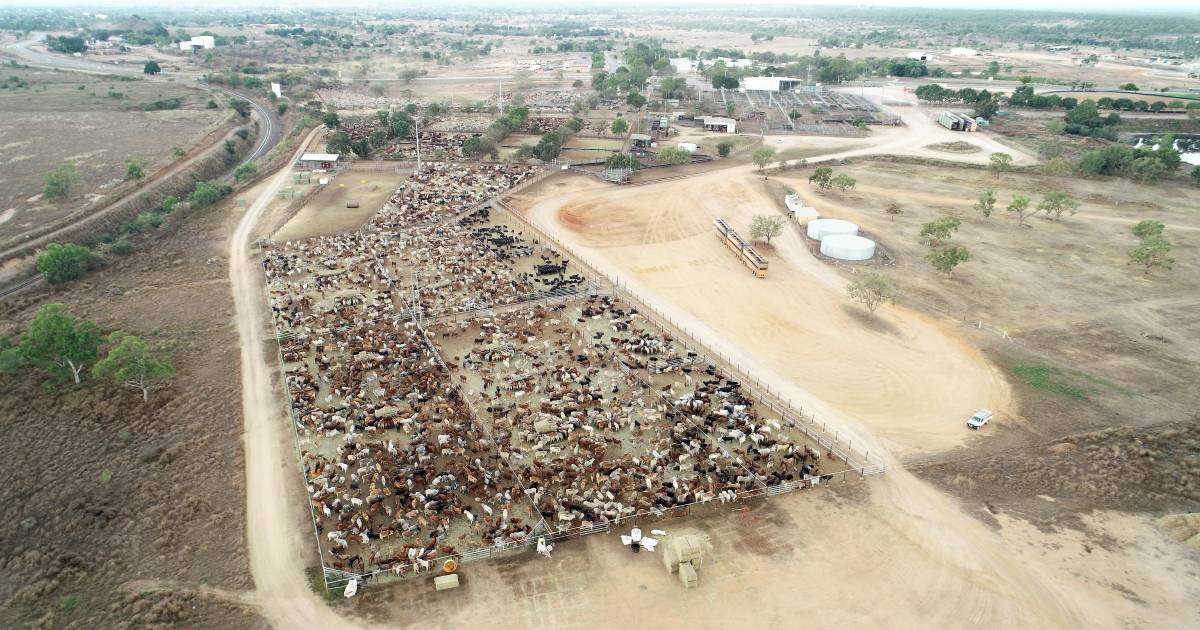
[{"x": 417, "y": 130}]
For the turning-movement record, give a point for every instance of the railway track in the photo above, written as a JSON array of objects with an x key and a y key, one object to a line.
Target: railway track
[{"x": 18, "y": 286}]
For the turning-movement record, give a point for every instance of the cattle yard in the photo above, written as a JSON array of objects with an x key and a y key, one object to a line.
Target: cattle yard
[
  {"x": 460, "y": 387},
  {"x": 800, "y": 111}
]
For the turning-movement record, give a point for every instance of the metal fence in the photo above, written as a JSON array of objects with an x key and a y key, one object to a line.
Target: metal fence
[{"x": 817, "y": 431}]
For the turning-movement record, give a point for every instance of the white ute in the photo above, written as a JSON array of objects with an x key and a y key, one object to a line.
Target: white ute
[{"x": 980, "y": 418}]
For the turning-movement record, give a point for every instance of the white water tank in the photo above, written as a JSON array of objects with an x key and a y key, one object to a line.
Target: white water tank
[
  {"x": 802, "y": 213},
  {"x": 847, "y": 247},
  {"x": 818, "y": 229}
]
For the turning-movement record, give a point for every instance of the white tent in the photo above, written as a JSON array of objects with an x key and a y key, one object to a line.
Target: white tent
[
  {"x": 818, "y": 229},
  {"x": 847, "y": 247}
]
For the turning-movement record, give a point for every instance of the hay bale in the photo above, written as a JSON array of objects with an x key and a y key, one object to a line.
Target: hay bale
[
  {"x": 687, "y": 575},
  {"x": 445, "y": 582}
]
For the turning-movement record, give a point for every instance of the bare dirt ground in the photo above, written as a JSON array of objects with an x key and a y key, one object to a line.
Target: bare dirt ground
[
  {"x": 99, "y": 133},
  {"x": 161, "y": 542},
  {"x": 326, "y": 212}
]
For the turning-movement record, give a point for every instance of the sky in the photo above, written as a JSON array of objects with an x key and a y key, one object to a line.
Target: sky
[{"x": 1191, "y": 7}]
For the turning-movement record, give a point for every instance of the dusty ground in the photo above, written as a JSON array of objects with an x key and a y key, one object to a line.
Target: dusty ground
[
  {"x": 137, "y": 549},
  {"x": 908, "y": 381},
  {"x": 326, "y": 212},
  {"x": 102, "y": 134},
  {"x": 1061, "y": 289}
]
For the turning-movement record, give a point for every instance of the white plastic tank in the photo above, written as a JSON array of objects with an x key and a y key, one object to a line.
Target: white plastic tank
[
  {"x": 847, "y": 247},
  {"x": 818, "y": 229}
]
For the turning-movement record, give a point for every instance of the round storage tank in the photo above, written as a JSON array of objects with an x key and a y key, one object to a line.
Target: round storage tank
[
  {"x": 847, "y": 247},
  {"x": 818, "y": 229}
]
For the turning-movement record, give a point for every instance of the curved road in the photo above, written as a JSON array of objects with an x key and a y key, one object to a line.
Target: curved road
[
  {"x": 270, "y": 131},
  {"x": 267, "y": 138}
]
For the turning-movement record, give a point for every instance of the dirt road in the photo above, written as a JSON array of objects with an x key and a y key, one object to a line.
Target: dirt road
[{"x": 276, "y": 542}]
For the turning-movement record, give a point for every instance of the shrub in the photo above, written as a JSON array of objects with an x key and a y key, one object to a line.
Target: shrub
[
  {"x": 121, "y": 248},
  {"x": 62, "y": 263}
]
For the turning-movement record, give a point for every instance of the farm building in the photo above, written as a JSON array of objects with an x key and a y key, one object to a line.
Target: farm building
[
  {"x": 718, "y": 123},
  {"x": 640, "y": 140},
  {"x": 920, "y": 55},
  {"x": 771, "y": 84},
  {"x": 957, "y": 122},
  {"x": 318, "y": 160},
  {"x": 199, "y": 41},
  {"x": 683, "y": 65}
]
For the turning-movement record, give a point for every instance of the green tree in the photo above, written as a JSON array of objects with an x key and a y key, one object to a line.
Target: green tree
[
  {"x": 207, "y": 193},
  {"x": 1020, "y": 207},
  {"x": 1148, "y": 228},
  {"x": 872, "y": 289},
  {"x": 724, "y": 147},
  {"x": 151, "y": 67},
  {"x": 945, "y": 259},
  {"x": 1152, "y": 252},
  {"x": 999, "y": 162},
  {"x": 635, "y": 99},
  {"x": 241, "y": 106},
  {"x": 893, "y": 210},
  {"x": 619, "y": 126},
  {"x": 548, "y": 146},
  {"x": 339, "y": 142},
  {"x": 59, "y": 181},
  {"x": 766, "y": 226},
  {"x": 133, "y": 167},
  {"x": 245, "y": 171},
  {"x": 1086, "y": 114},
  {"x": 1129, "y": 87},
  {"x": 674, "y": 155},
  {"x": 168, "y": 204},
  {"x": 1196, "y": 174},
  {"x": 331, "y": 120},
  {"x": 986, "y": 202},
  {"x": 1057, "y": 167},
  {"x": 843, "y": 182},
  {"x": 1056, "y": 203},
  {"x": 1147, "y": 170},
  {"x": 617, "y": 161},
  {"x": 130, "y": 362},
  {"x": 762, "y": 157},
  {"x": 821, "y": 177},
  {"x": 65, "y": 262},
  {"x": 11, "y": 359},
  {"x": 58, "y": 344},
  {"x": 938, "y": 230}
]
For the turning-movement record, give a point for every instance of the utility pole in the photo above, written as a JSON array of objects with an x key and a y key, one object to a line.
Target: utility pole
[{"x": 417, "y": 130}]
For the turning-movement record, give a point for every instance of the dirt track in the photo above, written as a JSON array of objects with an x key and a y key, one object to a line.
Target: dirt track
[{"x": 278, "y": 545}]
